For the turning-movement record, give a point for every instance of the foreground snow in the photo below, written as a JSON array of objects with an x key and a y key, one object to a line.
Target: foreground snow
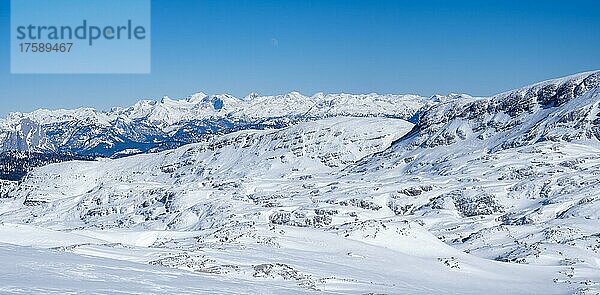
[
  {"x": 37, "y": 271},
  {"x": 305, "y": 261}
]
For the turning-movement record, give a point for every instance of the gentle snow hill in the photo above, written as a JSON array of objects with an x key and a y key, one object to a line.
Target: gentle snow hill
[
  {"x": 36, "y": 271},
  {"x": 306, "y": 261}
]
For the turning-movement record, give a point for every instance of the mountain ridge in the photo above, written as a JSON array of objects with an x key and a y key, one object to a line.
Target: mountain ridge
[{"x": 150, "y": 123}]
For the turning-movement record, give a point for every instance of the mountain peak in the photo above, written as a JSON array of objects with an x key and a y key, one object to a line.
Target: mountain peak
[
  {"x": 251, "y": 96},
  {"x": 197, "y": 97}
]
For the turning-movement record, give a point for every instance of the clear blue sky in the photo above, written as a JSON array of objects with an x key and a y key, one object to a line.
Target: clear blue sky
[{"x": 270, "y": 47}]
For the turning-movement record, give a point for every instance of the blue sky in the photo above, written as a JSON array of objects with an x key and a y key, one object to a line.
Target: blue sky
[{"x": 270, "y": 47}]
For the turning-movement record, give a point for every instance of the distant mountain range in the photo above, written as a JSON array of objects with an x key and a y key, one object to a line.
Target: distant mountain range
[{"x": 152, "y": 126}]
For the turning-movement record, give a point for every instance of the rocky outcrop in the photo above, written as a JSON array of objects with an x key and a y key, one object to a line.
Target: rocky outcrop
[{"x": 540, "y": 104}]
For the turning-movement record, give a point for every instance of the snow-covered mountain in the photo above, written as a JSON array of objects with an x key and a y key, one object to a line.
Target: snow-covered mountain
[
  {"x": 495, "y": 195},
  {"x": 151, "y": 125},
  {"x": 560, "y": 110}
]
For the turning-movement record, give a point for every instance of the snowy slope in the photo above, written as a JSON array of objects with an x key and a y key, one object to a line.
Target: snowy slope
[
  {"x": 305, "y": 262},
  {"x": 38, "y": 271},
  {"x": 202, "y": 170}
]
